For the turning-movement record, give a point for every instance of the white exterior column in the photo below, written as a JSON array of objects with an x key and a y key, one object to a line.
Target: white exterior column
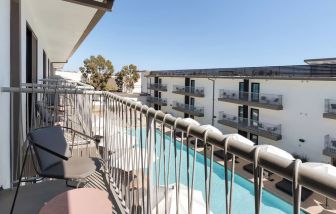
[{"x": 4, "y": 97}]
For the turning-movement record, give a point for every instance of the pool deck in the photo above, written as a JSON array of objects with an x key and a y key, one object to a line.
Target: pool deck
[{"x": 314, "y": 204}]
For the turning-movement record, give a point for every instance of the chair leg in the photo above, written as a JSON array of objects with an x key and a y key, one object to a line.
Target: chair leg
[{"x": 20, "y": 179}]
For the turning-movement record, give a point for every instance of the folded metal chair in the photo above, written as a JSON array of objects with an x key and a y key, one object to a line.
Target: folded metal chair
[{"x": 54, "y": 157}]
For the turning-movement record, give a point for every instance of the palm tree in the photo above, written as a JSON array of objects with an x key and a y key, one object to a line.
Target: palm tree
[{"x": 130, "y": 76}]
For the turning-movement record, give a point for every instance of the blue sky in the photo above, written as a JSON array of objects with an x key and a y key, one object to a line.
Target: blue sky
[{"x": 180, "y": 34}]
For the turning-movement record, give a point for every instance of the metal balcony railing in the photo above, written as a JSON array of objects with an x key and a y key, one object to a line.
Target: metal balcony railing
[
  {"x": 256, "y": 127},
  {"x": 152, "y": 171},
  {"x": 157, "y": 100},
  {"x": 329, "y": 146},
  {"x": 189, "y": 109},
  {"x": 271, "y": 101},
  {"x": 157, "y": 86},
  {"x": 330, "y": 109},
  {"x": 189, "y": 90}
]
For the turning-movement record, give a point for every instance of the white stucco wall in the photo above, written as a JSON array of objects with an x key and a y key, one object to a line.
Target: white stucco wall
[
  {"x": 4, "y": 97},
  {"x": 26, "y": 17}
]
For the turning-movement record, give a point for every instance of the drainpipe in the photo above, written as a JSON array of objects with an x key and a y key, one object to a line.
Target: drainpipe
[{"x": 213, "y": 101}]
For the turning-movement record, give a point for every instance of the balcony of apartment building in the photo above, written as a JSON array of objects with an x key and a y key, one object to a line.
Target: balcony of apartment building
[
  {"x": 189, "y": 109},
  {"x": 329, "y": 146},
  {"x": 143, "y": 169},
  {"x": 189, "y": 90},
  {"x": 263, "y": 129},
  {"x": 157, "y": 86},
  {"x": 268, "y": 101},
  {"x": 157, "y": 100},
  {"x": 330, "y": 109}
]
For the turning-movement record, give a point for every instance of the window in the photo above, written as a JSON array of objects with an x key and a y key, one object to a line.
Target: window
[
  {"x": 255, "y": 89},
  {"x": 254, "y": 117},
  {"x": 242, "y": 133},
  {"x": 192, "y": 101},
  {"x": 243, "y": 89},
  {"x": 254, "y": 138},
  {"x": 44, "y": 65},
  {"x": 192, "y": 86}
]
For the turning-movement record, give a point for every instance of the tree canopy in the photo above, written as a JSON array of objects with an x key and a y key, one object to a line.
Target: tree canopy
[
  {"x": 127, "y": 77},
  {"x": 97, "y": 71}
]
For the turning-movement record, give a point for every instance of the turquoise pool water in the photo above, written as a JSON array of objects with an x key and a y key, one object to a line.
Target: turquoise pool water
[{"x": 243, "y": 194}]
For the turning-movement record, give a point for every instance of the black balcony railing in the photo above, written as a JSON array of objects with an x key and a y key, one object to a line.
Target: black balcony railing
[
  {"x": 157, "y": 86},
  {"x": 270, "y": 101},
  {"x": 330, "y": 109},
  {"x": 267, "y": 130},
  {"x": 189, "y": 109},
  {"x": 157, "y": 100},
  {"x": 329, "y": 146},
  {"x": 189, "y": 90}
]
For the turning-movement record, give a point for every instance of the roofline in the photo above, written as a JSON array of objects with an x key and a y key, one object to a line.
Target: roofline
[
  {"x": 105, "y": 5},
  {"x": 319, "y": 60},
  {"x": 95, "y": 19},
  {"x": 302, "y": 72}
]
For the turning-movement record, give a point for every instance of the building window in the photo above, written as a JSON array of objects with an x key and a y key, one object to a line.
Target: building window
[
  {"x": 254, "y": 117},
  {"x": 254, "y": 138},
  {"x": 255, "y": 90},
  {"x": 44, "y": 65}
]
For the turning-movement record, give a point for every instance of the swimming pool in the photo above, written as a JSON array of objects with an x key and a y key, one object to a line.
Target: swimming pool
[{"x": 243, "y": 193}]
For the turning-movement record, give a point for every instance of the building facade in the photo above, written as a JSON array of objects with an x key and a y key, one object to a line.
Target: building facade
[{"x": 291, "y": 107}]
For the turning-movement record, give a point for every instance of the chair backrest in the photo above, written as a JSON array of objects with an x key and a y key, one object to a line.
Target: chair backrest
[
  {"x": 52, "y": 139},
  {"x": 45, "y": 115}
]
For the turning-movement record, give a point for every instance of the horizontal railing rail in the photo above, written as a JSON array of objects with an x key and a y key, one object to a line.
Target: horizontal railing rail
[{"x": 145, "y": 158}]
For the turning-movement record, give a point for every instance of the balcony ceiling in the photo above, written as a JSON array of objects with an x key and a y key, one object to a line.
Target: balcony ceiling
[{"x": 61, "y": 26}]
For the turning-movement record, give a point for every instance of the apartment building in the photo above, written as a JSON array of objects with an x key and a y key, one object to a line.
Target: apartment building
[
  {"x": 38, "y": 37},
  {"x": 291, "y": 107}
]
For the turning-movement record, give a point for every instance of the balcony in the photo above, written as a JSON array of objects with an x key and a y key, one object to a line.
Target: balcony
[
  {"x": 189, "y": 90},
  {"x": 157, "y": 100},
  {"x": 268, "y": 101},
  {"x": 189, "y": 109},
  {"x": 266, "y": 130},
  {"x": 145, "y": 168},
  {"x": 157, "y": 87},
  {"x": 329, "y": 146},
  {"x": 330, "y": 109}
]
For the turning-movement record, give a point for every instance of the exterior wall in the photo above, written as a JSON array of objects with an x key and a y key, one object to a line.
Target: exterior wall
[
  {"x": 301, "y": 117},
  {"x": 143, "y": 83},
  {"x": 4, "y": 98},
  {"x": 26, "y": 17}
]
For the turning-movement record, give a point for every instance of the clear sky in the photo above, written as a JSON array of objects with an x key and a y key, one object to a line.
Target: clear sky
[{"x": 180, "y": 34}]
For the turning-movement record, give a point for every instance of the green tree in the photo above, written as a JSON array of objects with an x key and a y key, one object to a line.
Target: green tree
[
  {"x": 129, "y": 76},
  {"x": 97, "y": 71},
  {"x": 119, "y": 81}
]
